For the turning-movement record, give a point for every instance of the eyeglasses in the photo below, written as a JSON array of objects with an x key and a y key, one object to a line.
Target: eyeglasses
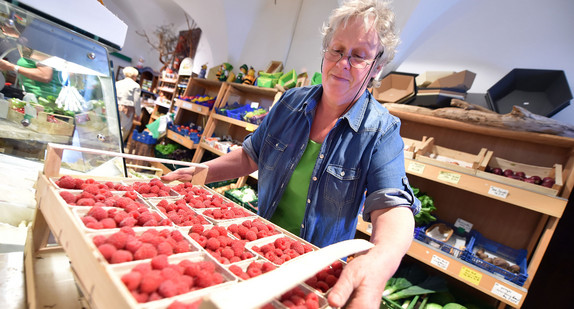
[{"x": 355, "y": 61}]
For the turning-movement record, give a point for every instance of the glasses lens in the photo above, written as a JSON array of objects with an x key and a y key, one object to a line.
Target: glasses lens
[
  {"x": 332, "y": 55},
  {"x": 358, "y": 63}
]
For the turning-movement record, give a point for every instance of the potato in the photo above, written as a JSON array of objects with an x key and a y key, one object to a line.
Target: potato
[{"x": 502, "y": 263}]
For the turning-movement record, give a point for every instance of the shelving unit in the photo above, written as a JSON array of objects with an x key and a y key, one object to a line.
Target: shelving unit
[
  {"x": 512, "y": 216},
  {"x": 190, "y": 112},
  {"x": 220, "y": 125}
]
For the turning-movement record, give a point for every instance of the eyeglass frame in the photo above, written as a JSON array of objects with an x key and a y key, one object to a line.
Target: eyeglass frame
[{"x": 366, "y": 61}]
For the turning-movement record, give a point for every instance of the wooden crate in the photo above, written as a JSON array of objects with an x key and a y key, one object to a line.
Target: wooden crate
[
  {"x": 40, "y": 124},
  {"x": 530, "y": 170},
  {"x": 449, "y": 158},
  {"x": 412, "y": 146}
]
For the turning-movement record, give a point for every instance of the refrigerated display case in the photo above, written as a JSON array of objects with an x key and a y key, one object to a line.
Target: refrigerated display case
[{"x": 76, "y": 106}]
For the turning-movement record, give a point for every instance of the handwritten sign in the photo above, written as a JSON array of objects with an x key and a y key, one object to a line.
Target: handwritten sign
[
  {"x": 415, "y": 167},
  {"x": 449, "y": 177},
  {"x": 506, "y": 293},
  {"x": 498, "y": 192},
  {"x": 470, "y": 275},
  {"x": 439, "y": 262}
]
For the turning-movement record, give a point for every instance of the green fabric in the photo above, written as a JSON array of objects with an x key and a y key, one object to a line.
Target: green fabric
[
  {"x": 38, "y": 88},
  {"x": 291, "y": 209}
]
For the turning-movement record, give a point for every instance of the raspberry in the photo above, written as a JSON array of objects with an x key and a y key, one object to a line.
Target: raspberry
[
  {"x": 297, "y": 247},
  {"x": 159, "y": 262},
  {"x": 140, "y": 297},
  {"x": 88, "y": 219},
  {"x": 133, "y": 245},
  {"x": 128, "y": 221},
  {"x": 92, "y": 188},
  {"x": 331, "y": 280},
  {"x": 86, "y": 202},
  {"x": 227, "y": 253},
  {"x": 150, "y": 281},
  {"x": 108, "y": 223},
  {"x": 254, "y": 270},
  {"x": 168, "y": 288},
  {"x": 118, "y": 240},
  {"x": 95, "y": 225},
  {"x": 121, "y": 256},
  {"x": 132, "y": 280},
  {"x": 266, "y": 267},
  {"x": 107, "y": 250},
  {"x": 212, "y": 244},
  {"x": 68, "y": 196},
  {"x": 251, "y": 236},
  {"x": 322, "y": 286},
  {"x": 98, "y": 213},
  {"x": 99, "y": 240},
  {"x": 181, "y": 247},
  {"x": 146, "y": 251},
  {"x": 66, "y": 182},
  {"x": 164, "y": 248},
  {"x": 236, "y": 270},
  {"x": 282, "y": 243}
]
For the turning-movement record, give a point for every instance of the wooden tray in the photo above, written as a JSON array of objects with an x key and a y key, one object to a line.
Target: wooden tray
[
  {"x": 451, "y": 159},
  {"x": 530, "y": 170},
  {"x": 412, "y": 146}
]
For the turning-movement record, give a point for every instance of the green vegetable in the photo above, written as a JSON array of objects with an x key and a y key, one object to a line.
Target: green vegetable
[
  {"x": 404, "y": 278},
  {"x": 427, "y": 206},
  {"x": 431, "y": 284},
  {"x": 432, "y": 306},
  {"x": 453, "y": 306},
  {"x": 442, "y": 298}
]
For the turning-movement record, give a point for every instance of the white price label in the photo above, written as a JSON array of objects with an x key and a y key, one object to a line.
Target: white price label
[
  {"x": 465, "y": 225},
  {"x": 187, "y": 106},
  {"x": 498, "y": 192},
  {"x": 255, "y": 105},
  {"x": 439, "y": 262},
  {"x": 506, "y": 293},
  {"x": 415, "y": 167},
  {"x": 450, "y": 177}
]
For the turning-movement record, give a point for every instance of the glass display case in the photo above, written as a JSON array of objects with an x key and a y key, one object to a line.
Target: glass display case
[{"x": 57, "y": 86}]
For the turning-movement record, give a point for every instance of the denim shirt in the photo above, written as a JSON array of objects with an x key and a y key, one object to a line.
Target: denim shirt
[{"x": 363, "y": 151}]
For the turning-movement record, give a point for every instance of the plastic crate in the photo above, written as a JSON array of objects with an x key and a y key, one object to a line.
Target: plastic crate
[
  {"x": 445, "y": 246},
  {"x": 143, "y": 137},
  {"x": 239, "y": 112},
  {"x": 493, "y": 248},
  {"x": 251, "y": 205}
]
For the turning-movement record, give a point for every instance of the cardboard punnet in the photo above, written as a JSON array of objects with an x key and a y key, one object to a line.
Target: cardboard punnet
[{"x": 396, "y": 87}]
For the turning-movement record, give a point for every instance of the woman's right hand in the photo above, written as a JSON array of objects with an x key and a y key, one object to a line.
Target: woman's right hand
[{"x": 184, "y": 174}]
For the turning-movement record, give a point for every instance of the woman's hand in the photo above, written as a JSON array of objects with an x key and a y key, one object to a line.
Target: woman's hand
[{"x": 182, "y": 174}]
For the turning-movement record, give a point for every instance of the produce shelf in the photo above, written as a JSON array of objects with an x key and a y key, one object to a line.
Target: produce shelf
[
  {"x": 546, "y": 204},
  {"x": 180, "y": 139},
  {"x": 248, "y": 126},
  {"x": 196, "y": 108},
  {"x": 488, "y": 283}
]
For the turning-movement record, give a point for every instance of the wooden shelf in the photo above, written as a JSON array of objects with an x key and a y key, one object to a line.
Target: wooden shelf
[
  {"x": 240, "y": 123},
  {"x": 180, "y": 139},
  {"x": 486, "y": 282},
  {"x": 206, "y": 146},
  {"x": 192, "y": 107},
  {"x": 549, "y": 205}
]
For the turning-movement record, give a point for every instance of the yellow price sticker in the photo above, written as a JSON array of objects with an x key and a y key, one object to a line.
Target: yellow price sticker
[
  {"x": 449, "y": 177},
  {"x": 470, "y": 275},
  {"x": 250, "y": 128}
]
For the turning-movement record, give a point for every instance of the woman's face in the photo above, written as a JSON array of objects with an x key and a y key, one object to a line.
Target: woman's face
[{"x": 341, "y": 80}]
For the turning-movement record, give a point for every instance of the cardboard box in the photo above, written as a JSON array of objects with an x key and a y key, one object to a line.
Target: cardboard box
[
  {"x": 436, "y": 98},
  {"x": 426, "y": 78},
  {"x": 459, "y": 81},
  {"x": 542, "y": 92},
  {"x": 396, "y": 87},
  {"x": 274, "y": 67}
]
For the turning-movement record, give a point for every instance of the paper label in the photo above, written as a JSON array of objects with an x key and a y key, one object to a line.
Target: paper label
[
  {"x": 30, "y": 110},
  {"x": 449, "y": 177},
  {"x": 506, "y": 293},
  {"x": 415, "y": 167},
  {"x": 498, "y": 192},
  {"x": 465, "y": 225},
  {"x": 187, "y": 106},
  {"x": 250, "y": 128},
  {"x": 439, "y": 262},
  {"x": 470, "y": 275},
  {"x": 255, "y": 105},
  {"x": 4, "y": 106}
]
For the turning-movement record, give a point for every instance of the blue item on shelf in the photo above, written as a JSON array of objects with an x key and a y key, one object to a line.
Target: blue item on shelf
[
  {"x": 239, "y": 112},
  {"x": 445, "y": 246},
  {"x": 514, "y": 256},
  {"x": 143, "y": 137}
]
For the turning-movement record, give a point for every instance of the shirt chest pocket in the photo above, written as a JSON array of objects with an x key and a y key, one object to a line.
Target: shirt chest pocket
[
  {"x": 341, "y": 185},
  {"x": 273, "y": 150}
]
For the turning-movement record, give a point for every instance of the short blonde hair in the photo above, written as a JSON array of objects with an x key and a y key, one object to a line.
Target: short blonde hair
[
  {"x": 130, "y": 72},
  {"x": 376, "y": 14}
]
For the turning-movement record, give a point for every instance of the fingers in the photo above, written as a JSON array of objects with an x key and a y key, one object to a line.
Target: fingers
[
  {"x": 342, "y": 289},
  {"x": 182, "y": 174}
]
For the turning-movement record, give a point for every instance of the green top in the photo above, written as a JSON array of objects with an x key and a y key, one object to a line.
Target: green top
[
  {"x": 38, "y": 88},
  {"x": 291, "y": 209}
]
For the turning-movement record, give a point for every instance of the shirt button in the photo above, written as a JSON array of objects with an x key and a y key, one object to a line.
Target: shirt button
[
  {"x": 276, "y": 145},
  {"x": 342, "y": 173},
  {"x": 308, "y": 201},
  {"x": 302, "y": 226},
  {"x": 321, "y": 156},
  {"x": 314, "y": 178}
]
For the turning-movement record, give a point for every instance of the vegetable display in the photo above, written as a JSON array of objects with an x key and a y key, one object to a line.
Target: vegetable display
[{"x": 424, "y": 217}]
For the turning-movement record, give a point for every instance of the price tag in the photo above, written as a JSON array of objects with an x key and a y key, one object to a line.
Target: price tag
[
  {"x": 498, "y": 192},
  {"x": 470, "y": 275},
  {"x": 506, "y": 293},
  {"x": 255, "y": 105},
  {"x": 30, "y": 111},
  {"x": 450, "y": 177},
  {"x": 439, "y": 262},
  {"x": 187, "y": 106},
  {"x": 463, "y": 224},
  {"x": 370, "y": 228},
  {"x": 415, "y": 167},
  {"x": 250, "y": 128},
  {"x": 4, "y": 106}
]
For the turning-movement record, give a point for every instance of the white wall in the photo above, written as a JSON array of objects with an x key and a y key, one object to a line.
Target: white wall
[{"x": 488, "y": 37}]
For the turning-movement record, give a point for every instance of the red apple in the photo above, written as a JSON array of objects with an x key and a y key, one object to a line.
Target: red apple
[{"x": 508, "y": 172}]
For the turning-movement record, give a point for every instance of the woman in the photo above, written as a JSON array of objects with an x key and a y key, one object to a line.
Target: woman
[
  {"x": 128, "y": 92},
  {"x": 321, "y": 147}
]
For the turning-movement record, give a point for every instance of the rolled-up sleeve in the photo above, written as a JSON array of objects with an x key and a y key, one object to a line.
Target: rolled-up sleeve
[{"x": 391, "y": 197}]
